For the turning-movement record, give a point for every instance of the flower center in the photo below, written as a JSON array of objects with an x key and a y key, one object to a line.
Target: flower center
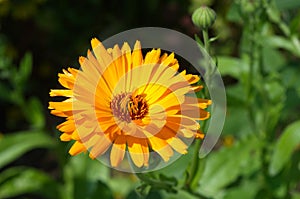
[{"x": 127, "y": 107}]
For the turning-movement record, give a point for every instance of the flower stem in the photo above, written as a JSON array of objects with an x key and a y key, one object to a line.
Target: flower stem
[
  {"x": 194, "y": 166},
  {"x": 193, "y": 178},
  {"x": 206, "y": 40}
]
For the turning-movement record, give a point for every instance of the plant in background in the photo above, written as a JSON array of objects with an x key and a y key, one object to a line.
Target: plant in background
[
  {"x": 259, "y": 158},
  {"x": 16, "y": 179},
  {"x": 257, "y": 53}
]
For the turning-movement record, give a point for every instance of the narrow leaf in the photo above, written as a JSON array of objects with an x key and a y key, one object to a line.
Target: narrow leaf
[
  {"x": 287, "y": 143},
  {"x": 19, "y": 180},
  {"x": 15, "y": 145}
]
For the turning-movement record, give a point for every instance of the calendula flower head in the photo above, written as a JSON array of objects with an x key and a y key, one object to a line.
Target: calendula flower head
[{"x": 122, "y": 102}]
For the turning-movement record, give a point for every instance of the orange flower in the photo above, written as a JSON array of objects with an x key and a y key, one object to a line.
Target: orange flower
[{"x": 123, "y": 102}]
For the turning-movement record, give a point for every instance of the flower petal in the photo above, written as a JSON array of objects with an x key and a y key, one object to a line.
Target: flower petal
[
  {"x": 135, "y": 148},
  {"x": 137, "y": 56},
  {"x": 160, "y": 146},
  {"x": 77, "y": 148},
  {"x": 118, "y": 151},
  {"x": 100, "y": 147}
]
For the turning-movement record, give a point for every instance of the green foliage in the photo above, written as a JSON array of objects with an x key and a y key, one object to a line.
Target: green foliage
[
  {"x": 257, "y": 50},
  {"x": 84, "y": 178},
  {"x": 21, "y": 180},
  {"x": 14, "y": 145},
  {"x": 225, "y": 166},
  {"x": 286, "y": 145}
]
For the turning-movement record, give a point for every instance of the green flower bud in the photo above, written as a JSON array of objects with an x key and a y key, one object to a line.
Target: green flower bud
[{"x": 204, "y": 17}]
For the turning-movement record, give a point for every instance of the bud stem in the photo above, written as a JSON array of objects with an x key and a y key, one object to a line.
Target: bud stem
[{"x": 206, "y": 40}]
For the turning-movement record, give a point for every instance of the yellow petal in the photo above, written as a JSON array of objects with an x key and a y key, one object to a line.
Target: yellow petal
[
  {"x": 67, "y": 79},
  {"x": 197, "y": 114},
  {"x": 136, "y": 151},
  {"x": 137, "y": 56},
  {"x": 67, "y": 126},
  {"x": 183, "y": 121},
  {"x": 170, "y": 100},
  {"x": 103, "y": 57},
  {"x": 194, "y": 89},
  {"x": 77, "y": 148},
  {"x": 192, "y": 79},
  {"x": 106, "y": 123},
  {"x": 117, "y": 60},
  {"x": 139, "y": 81},
  {"x": 160, "y": 146},
  {"x": 126, "y": 51},
  {"x": 145, "y": 149},
  {"x": 118, "y": 151},
  {"x": 103, "y": 90},
  {"x": 188, "y": 133},
  {"x": 61, "y": 92},
  {"x": 152, "y": 57},
  {"x": 169, "y": 60},
  {"x": 89, "y": 70},
  {"x": 163, "y": 57},
  {"x": 94, "y": 61},
  {"x": 100, "y": 147},
  {"x": 178, "y": 145},
  {"x": 61, "y": 106},
  {"x": 170, "y": 137},
  {"x": 201, "y": 102},
  {"x": 199, "y": 135},
  {"x": 65, "y": 137},
  {"x": 60, "y": 113},
  {"x": 154, "y": 92}
]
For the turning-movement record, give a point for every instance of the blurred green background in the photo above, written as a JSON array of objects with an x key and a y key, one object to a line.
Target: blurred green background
[{"x": 258, "y": 54}]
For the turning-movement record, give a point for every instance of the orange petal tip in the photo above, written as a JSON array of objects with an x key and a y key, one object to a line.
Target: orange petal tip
[{"x": 95, "y": 42}]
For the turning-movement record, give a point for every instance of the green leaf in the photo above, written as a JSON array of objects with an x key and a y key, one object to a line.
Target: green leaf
[
  {"x": 234, "y": 14},
  {"x": 275, "y": 92},
  {"x": 273, "y": 13},
  {"x": 236, "y": 95},
  {"x": 242, "y": 191},
  {"x": 294, "y": 25},
  {"x": 26, "y": 66},
  {"x": 296, "y": 43},
  {"x": 84, "y": 178},
  {"x": 213, "y": 39},
  {"x": 151, "y": 194},
  {"x": 237, "y": 122},
  {"x": 34, "y": 113},
  {"x": 100, "y": 189},
  {"x": 231, "y": 66},
  {"x": 24, "y": 71},
  {"x": 19, "y": 180},
  {"x": 121, "y": 186},
  {"x": 287, "y": 4},
  {"x": 179, "y": 195},
  {"x": 82, "y": 166},
  {"x": 226, "y": 165},
  {"x": 177, "y": 168},
  {"x": 272, "y": 59},
  {"x": 290, "y": 76},
  {"x": 295, "y": 195},
  {"x": 13, "y": 146},
  {"x": 142, "y": 190},
  {"x": 280, "y": 42},
  {"x": 284, "y": 148}
]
